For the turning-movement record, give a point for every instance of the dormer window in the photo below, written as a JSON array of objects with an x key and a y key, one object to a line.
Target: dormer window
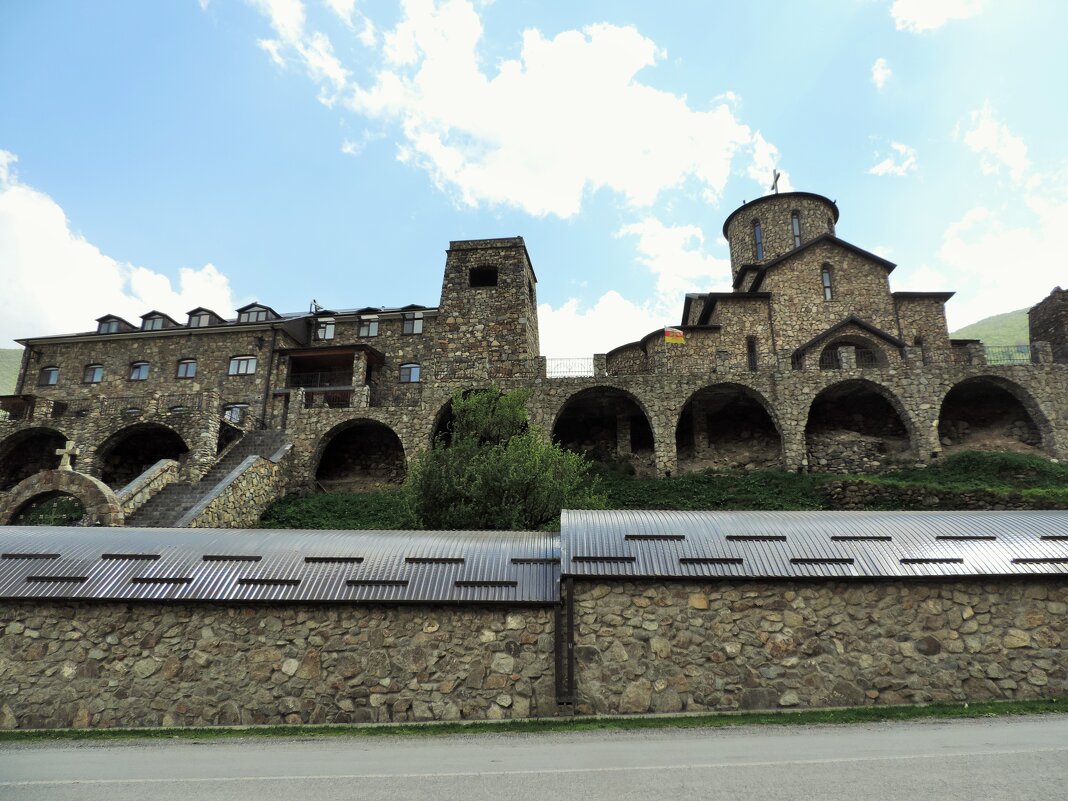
[
  {"x": 199, "y": 320},
  {"x": 758, "y": 240},
  {"x": 152, "y": 324},
  {"x": 94, "y": 374},
  {"x": 107, "y": 327},
  {"x": 795, "y": 228},
  {"x": 325, "y": 330},
  {"x": 369, "y": 327},
  {"x": 139, "y": 371},
  {"x": 413, "y": 323},
  {"x": 255, "y": 313},
  {"x": 48, "y": 377}
]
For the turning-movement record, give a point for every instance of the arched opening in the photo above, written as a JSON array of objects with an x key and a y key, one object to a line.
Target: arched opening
[
  {"x": 442, "y": 431},
  {"x": 360, "y": 456},
  {"x": 126, "y": 454},
  {"x": 727, "y": 426},
  {"x": 29, "y": 452},
  {"x": 607, "y": 425},
  {"x": 856, "y": 427},
  {"x": 989, "y": 414},
  {"x": 51, "y": 509},
  {"x": 846, "y": 352}
]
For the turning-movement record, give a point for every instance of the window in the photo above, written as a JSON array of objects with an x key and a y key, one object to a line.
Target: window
[
  {"x": 242, "y": 365},
  {"x": 200, "y": 320},
  {"x": 139, "y": 371},
  {"x": 413, "y": 323},
  {"x": 107, "y": 327},
  {"x": 48, "y": 377},
  {"x": 830, "y": 225},
  {"x": 325, "y": 329},
  {"x": 152, "y": 324},
  {"x": 255, "y": 315},
  {"x": 825, "y": 277},
  {"x": 187, "y": 368},
  {"x": 758, "y": 240},
  {"x": 795, "y": 227},
  {"x": 235, "y": 413},
  {"x": 409, "y": 373},
  {"x": 369, "y": 328},
  {"x": 482, "y": 276},
  {"x": 94, "y": 374},
  {"x": 751, "y": 353}
]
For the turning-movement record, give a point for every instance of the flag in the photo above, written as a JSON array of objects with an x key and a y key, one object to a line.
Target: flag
[{"x": 673, "y": 336}]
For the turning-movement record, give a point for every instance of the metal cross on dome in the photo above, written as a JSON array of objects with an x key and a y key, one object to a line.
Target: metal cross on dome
[
  {"x": 66, "y": 453},
  {"x": 775, "y": 181}
]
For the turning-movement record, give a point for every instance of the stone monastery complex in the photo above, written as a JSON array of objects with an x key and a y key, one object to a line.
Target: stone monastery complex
[{"x": 812, "y": 362}]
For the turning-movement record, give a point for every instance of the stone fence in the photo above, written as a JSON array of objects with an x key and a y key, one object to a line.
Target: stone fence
[{"x": 243, "y": 496}]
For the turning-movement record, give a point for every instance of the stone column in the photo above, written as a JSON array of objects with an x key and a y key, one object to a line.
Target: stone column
[
  {"x": 847, "y": 357},
  {"x": 1041, "y": 353},
  {"x": 600, "y": 365}
]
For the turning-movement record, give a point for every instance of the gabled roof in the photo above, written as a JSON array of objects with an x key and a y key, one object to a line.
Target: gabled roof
[
  {"x": 876, "y": 332},
  {"x": 201, "y": 309},
  {"x": 943, "y": 296},
  {"x": 167, "y": 317},
  {"x": 762, "y": 269},
  {"x": 264, "y": 306},
  {"x": 107, "y": 317},
  {"x": 715, "y": 297}
]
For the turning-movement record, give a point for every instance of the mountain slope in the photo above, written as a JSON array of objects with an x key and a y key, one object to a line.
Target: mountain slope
[{"x": 1009, "y": 328}]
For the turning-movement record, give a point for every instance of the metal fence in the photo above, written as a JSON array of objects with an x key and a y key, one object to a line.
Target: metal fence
[
  {"x": 322, "y": 378},
  {"x": 330, "y": 398},
  {"x": 581, "y": 367},
  {"x": 1009, "y": 354}
]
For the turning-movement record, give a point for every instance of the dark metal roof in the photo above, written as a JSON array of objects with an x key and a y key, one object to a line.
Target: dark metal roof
[
  {"x": 657, "y": 544},
  {"x": 234, "y": 565}
]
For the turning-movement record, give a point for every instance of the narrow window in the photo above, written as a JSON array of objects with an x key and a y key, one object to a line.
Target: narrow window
[
  {"x": 242, "y": 365},
  {"x": 413, "y": 323},
  {"x": 48, "y": 377},
  {"x": 795, "y": 227},
  {"x": 830, "y": 225},
  {"x": 369, "y": 328},
  {"x": 108, "y": 327},
  {"x": 235, "y": 413},
  {"x": 94, "y": 374},
  {"x": 187, "y": 368},
  {"x": 825, "y": 275},
  {"x": 152, "y": 324},
  {"x": 758, "y": 240},
  {"x": 409, "y": 373},
  {"x": 139, "y": 371},
  {"x": 325, "y": 329},
  {"x": 751, "y": 353},
  {"x": 482, "y": 276}
]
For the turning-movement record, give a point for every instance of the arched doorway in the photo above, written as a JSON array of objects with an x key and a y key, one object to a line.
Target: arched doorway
[
  {"x": 29, "y": 452},
  {"x": 126, "y": 454},
  {"x": 360, "y": 456},
  {"x": 51, "y": 509},
  {"x": 990, "y": 414},
  {"x": 856, "y": 427},
  {"x": 727, "y": 426},
  {"x": 607, "y": 425},
  {"x": 61, "y": 498}
]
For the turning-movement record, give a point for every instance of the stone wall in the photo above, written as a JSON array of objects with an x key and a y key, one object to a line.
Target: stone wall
[
  {"x": 106, "y": 665},
  {"x": 145, "y": 487},
  {"x": 818, "y": 216},
  {"x": 1048, "y": 322},
  {"x": 690, "y": 646},
  {"x": 241, "y": 497}
]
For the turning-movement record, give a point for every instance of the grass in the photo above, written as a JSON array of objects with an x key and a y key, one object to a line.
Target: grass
[
  {"x": 806, "y": 717},
  {"x": 996, "y": 472}
]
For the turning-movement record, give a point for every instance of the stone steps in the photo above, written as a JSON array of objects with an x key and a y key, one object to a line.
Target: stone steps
[{"x": 169, "y": 505}]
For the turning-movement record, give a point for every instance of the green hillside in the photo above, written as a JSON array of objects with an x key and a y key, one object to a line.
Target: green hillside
[
  {"x": 1009, "y": 328},
  {"x": 10, "y": 360}
]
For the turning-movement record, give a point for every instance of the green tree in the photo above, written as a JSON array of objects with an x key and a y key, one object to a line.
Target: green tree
[{"x": 492, "y": 472}]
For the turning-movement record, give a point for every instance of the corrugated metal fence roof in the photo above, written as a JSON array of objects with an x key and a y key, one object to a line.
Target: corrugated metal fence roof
[
  {"x": 662, "y": 544},
  {"x": 279, "y": 566}
]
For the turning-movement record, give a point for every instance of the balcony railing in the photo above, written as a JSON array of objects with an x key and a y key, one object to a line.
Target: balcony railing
[
  {"x": 1010, "y": 354},
  {"x": 328, "y": 398},
  {"x": 322, "y": 378},
  {"x": 581, "y": 367}
]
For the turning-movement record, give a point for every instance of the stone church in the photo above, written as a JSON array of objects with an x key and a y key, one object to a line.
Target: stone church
[{"x": 811, "y": 362}]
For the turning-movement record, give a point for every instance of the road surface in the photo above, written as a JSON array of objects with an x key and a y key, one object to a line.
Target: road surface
[{"x": 1011, "y": 758}]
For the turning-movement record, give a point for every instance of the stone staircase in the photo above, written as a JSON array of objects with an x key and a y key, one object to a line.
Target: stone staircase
[{"x": 169, "y": 505}]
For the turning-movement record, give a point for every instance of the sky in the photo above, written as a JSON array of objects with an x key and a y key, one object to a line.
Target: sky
[{"x": 170, "y": 155}]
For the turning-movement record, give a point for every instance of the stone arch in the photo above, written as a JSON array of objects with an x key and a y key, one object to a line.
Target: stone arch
[
  {"x": 442, "y": 423},
  {"x": 728, "y": 425},
  {"x": 102, "y": 507},
  {"x": 128, "y": 452},
  {"x": 991, "y": 413},
  {"x": 358, "y": 455},
  {"x": 607, "y": 424},
  {"x": 857, "y": 426},
  {"x": 866, "y": 353},
  {"x": 27, "y": 452}
]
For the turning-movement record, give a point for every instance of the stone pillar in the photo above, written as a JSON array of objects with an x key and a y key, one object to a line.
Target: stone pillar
[
  {"x": 976, "y": 354},
  {"x": 623, "y": 435},
  {"x": 1041, "y": 353},
  {"x": 600, "y": 365},
  {"x": 847, "y": 357},
  {"x": 665, "y": 451},
  {"x": 794, "y": 447}
]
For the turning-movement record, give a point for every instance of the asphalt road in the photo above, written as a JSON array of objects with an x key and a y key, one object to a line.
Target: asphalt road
[{"x": 1002, "y": 758}]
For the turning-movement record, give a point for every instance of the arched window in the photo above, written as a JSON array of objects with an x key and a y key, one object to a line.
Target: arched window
[
  {"x": 48, "y": 377},
  {"x": 795, "y": 228},
  {"x": 139, "y": 371},
  {"x": 758, "y": 240},
  {"x": 187, "y": 368},
  {"x": 825, "y": 278},
  {"x": 409, "y": 373},
  {"x": 94, "y": 374}
]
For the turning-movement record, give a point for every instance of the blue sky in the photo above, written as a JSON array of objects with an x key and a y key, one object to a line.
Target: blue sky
[{"x": 213, "y": 152}]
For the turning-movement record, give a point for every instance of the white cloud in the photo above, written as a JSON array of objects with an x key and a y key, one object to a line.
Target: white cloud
[
  {"x": 675, "y": 255},
  {"x": 900, "y": 162},
  {"x": 345, "y": 9},
  {"x": 764, "y": 163},
  {"x": 880, "y": 72},
  {"x": 996, "y": 145},
  {"x": 567, "y": 117},
  {"x": 204, "y": 4},
  {"x": 917, "y": 16},
  {"x": 54, "y": 280},
  {"x": 571, "y": 330}
]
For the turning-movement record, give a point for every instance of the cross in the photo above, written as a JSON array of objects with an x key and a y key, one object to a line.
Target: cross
[
  {"x": 775, "y": 181},
  {"x": 66, "y": 453}
]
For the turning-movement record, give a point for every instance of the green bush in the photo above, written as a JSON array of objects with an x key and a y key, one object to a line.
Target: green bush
[
  {"x": 990, "y": 471},
  {"x": 491, "y": 472},
  {"x": 340, "y": 510}
]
